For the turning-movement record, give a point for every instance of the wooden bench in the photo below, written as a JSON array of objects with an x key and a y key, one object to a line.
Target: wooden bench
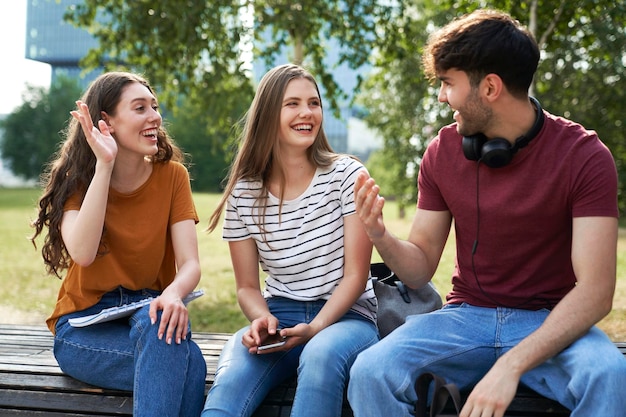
[{"x": 31, "y": 383}]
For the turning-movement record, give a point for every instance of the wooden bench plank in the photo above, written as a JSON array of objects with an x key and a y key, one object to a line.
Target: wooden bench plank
[
  {"x": 46, "y": 382},
  {"x": 32, "y": 384},
  {"x": 82, "y": 402},
  {"x": 38, "y": 413}
]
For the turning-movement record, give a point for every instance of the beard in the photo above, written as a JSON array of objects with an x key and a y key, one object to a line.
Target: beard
[{"x": 474, "y": 117}]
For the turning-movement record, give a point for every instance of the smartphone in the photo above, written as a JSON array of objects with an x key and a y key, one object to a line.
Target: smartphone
[{"x": 273, "y": 341}]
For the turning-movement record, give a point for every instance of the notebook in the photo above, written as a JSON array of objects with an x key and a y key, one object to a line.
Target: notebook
[{"x": 113, "y": 313}]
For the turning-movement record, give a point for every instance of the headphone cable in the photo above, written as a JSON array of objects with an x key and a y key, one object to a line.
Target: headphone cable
[{"x": 475, "y": 245}]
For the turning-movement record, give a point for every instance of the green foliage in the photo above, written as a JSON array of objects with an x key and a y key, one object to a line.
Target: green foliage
[
  {"x": 33, "y": 131},
  {"x": 385, "y": 167},
  {"x": 401, "y": 104},
  {"x": 205, "y": 145},
  {"x": 198, "y": 54},
  {"x": 582, "y": 73},
  {"x": 204, "y": 47}
]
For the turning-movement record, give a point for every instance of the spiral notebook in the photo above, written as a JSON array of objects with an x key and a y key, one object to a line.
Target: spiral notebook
[{"x": 113, "y": 313}]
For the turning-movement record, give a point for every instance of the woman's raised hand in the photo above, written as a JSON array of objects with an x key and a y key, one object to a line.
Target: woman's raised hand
[{"x": 100, "y": 141}]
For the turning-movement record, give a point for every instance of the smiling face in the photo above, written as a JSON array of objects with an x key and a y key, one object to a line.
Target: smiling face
[
  {"x": 136, "y": 121},
  {"x": 300, "y": 115},
  {"x": 471, "y": 115}
]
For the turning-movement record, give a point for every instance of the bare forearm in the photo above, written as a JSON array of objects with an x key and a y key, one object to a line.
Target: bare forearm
[
  {"x": 404, "y": 258},
  {"x": 82, "y": 236},
  {"x": 186, "y": 279},
  {"x": 343, "y": 298},
  {"x": 252, "y": 303},
  {"x": 570, "y": 319}
]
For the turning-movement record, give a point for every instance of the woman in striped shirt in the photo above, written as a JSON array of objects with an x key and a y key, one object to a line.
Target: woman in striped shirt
[{"x": 289, "y": 206}]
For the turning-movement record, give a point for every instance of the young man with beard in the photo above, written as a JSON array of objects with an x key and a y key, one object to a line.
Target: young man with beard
[{"x": 533, "y": 200}]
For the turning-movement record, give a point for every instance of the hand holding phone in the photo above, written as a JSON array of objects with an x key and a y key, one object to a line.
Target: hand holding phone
[{"x": 272, "y": 341}]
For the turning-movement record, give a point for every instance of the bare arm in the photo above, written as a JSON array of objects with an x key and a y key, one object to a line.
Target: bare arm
[
  {"x": 245, "y": 260},
  {"x": 594, "y": 250},
  {"x": 175, "y": 315},
  {"x": 413, "y": 260},
  {"x": 82, "y": 229}
]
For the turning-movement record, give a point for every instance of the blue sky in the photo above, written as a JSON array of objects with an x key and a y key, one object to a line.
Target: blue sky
[{"x": 16, "y": 70}]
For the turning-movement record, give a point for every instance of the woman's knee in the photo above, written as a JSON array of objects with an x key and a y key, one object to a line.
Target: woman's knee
[
  {"x": 337, "y": 347},
  {"x": 197, "y": 364}
]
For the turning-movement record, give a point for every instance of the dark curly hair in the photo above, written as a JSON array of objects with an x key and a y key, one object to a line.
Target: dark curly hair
[
  {"x": 72, "y": 167},
  {"x": 484, "y": 42}
]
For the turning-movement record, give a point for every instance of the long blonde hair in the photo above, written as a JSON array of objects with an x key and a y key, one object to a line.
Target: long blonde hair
[{"x": 258, "y": 155}]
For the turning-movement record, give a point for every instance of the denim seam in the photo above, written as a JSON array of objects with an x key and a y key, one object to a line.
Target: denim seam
[{"x": 91, "y": 348}]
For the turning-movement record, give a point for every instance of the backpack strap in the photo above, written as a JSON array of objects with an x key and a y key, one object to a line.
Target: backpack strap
[{"x": 441, "y": 392}]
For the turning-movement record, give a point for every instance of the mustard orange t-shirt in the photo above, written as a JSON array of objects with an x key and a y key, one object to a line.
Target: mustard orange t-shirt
[{"x": 136, "y": 246}]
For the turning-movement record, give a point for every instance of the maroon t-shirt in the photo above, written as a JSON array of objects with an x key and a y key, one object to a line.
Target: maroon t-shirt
[{"x": 523, "y": 227}]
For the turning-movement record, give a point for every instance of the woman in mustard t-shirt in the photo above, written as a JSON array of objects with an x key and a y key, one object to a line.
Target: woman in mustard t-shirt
[{"x": 120, "y": 217}]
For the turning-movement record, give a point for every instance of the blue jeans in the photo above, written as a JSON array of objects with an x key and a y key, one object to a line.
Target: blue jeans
[
  {"x": 243, "y": 380},
  {"x": 126, "y": 354},
  {"x": 462, "y": 342}
]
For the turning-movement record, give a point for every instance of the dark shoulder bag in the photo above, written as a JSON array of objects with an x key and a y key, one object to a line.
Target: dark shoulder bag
[{"x": 396, "y": 301}]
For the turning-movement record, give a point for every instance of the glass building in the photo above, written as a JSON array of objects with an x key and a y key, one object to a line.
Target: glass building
[{"x": 51, "y": 40}]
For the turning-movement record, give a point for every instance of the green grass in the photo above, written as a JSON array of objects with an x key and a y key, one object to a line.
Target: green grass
[{"x": 28, "y": 294}]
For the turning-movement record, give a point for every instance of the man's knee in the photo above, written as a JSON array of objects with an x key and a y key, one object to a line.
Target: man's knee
[{"x": 611, "y": 369}]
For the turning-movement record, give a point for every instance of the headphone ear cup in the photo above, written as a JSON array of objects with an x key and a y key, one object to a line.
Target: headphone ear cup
[
  {"x": 472, "y": 146},
  {"x": 496, "y": 153}
]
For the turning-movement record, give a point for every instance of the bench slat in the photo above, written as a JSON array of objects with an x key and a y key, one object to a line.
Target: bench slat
[
  {"x": 45, "y": 382},
  {"x": 38, "y": 413},
  {"x": 63, "y": 401},
  {"x": 32, "y": 384}
]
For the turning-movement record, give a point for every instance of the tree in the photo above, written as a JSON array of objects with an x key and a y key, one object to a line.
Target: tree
[
  {"x": 206, "y": 46},
  {"x": 206, "y": 148},
  {"x": 581, "y": 75},
  {"x": 198, "y": 55},
  {"x": 385, "y": 167},
  {"x": 32, "y": 132}
]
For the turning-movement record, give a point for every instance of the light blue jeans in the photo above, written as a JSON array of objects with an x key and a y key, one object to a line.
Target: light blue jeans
[
  {"x": 126, "y": 354},
  {"x": 462, "y": 342},
  {"x": 243, "y": 380}
]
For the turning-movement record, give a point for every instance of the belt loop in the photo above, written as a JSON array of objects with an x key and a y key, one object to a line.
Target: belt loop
[{"x": 123, "y": 296}]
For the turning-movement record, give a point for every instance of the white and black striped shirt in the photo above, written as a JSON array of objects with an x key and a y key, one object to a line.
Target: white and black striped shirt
[{"x": 302, "y": 248}]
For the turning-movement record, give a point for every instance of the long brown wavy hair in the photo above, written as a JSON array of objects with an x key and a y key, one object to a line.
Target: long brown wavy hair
[
  {"x": 72, "y": 167},
  {"x": 258, "y": 155}
]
